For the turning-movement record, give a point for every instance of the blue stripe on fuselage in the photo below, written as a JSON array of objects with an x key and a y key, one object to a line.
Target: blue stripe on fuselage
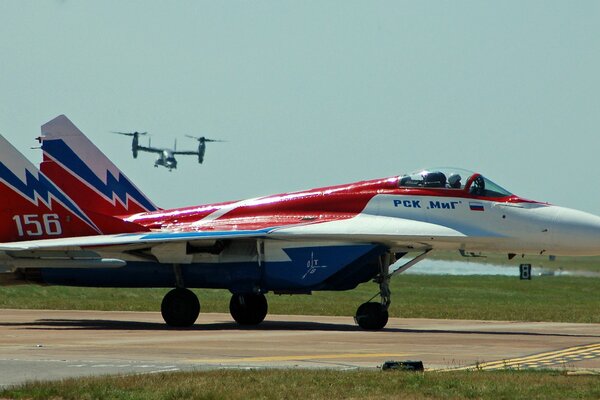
[{"x": 202, "y": 234}]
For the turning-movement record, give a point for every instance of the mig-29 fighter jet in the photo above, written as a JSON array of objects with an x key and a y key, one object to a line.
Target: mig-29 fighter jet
[{"x": 80, "y": 221}]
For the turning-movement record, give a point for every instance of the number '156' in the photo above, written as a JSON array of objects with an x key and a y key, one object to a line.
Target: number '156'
[{"x": 37, "y": 225}]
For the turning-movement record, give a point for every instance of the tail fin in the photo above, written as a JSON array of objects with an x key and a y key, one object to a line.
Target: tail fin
[
  {"x": 80, "y": 169},
  {"x": 31, "y": 206}
]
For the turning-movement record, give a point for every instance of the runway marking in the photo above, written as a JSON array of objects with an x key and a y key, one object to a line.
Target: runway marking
[
  {"x": 302, "y": 357},
  {"x": 540, "y": 360}
]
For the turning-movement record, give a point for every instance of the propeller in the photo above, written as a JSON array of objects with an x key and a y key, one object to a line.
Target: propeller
[
  {"x": 130, "y": 133},
  {"x": 204, "y": 139},
  {"x": 134, "y": 142}
]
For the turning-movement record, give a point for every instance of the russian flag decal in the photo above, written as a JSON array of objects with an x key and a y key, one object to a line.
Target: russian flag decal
[{"x": 476, "y": 206}]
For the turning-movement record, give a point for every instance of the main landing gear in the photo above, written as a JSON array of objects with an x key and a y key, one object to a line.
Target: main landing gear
[
  {"x": 248, "y": 309},
  {"x": 180, "y": 308},
  {"x": 373, "y": 316}
]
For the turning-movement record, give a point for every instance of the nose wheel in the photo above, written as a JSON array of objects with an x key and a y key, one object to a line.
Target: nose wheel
[{"x": 373, "y": 316}]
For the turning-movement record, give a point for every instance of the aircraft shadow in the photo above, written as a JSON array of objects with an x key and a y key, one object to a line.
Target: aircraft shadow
[
  {"x": 101, "y": 324},
  {"x": 98, "y": 324}
]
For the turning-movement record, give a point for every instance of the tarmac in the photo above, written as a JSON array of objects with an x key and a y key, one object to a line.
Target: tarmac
[{"x": 49, "y": 344}]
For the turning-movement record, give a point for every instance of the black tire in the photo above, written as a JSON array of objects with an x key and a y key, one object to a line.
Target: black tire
[
  {"x": 180, "y": 308},
  {"x": 248, "y": 309},
  {"x": 371, "y": 316}
]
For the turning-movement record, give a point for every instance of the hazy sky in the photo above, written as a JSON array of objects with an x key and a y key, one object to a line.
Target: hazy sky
[{"x": 315, "y": 93}]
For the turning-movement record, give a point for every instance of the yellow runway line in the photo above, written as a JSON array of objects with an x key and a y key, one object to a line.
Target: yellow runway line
[
  {"x": 541, "y": 357},
  {"x": 551, "y": 357}
]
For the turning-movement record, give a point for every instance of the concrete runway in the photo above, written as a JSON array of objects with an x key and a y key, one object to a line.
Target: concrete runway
[{"x": 43, "y": 344}]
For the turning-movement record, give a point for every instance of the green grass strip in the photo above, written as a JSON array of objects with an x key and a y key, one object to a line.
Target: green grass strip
[
  {"x": 318, "y": 384},
  {"x": 558, "y": 299}
]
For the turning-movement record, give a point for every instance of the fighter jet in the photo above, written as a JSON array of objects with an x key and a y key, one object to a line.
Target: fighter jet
[{"x": 81, "y": 221}]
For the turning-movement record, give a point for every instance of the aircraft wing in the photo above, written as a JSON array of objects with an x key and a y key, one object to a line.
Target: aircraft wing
[
  {"x": 107, "y": 242},
  {"x": 170, "y": 246},
  {"x": 149, "y": 149},
  {"x": 185, "y": 153},
  {"x": 108, "y": 251}
]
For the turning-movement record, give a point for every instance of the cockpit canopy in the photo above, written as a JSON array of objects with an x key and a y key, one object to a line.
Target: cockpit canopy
[{"x": 453, "y": 178}]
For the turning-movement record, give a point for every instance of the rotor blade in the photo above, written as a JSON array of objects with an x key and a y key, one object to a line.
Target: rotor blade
[
  {"x": 129, "y": 133},
  {"x": 204, "y": 139}
]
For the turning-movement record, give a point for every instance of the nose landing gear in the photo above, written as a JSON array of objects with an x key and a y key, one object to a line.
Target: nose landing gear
[{"x": 372, "y": 315}]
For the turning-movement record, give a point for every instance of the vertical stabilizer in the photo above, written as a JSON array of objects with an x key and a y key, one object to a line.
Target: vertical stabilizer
[
  {"x": 32, "y": 206},
  {"x": 80, "y": 169}
]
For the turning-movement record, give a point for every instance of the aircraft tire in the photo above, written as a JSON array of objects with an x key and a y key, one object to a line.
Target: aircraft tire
[
  {"x": 180, "y": 308},
  {"x": 248, "y": 309},
  {"x": 371, "y": 316}
]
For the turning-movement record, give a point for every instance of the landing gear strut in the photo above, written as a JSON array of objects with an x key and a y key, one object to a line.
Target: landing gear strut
[
  {"x": 372, "y": 315},
  {"x": 248, "y": 309},
  {"x": 180, "y": 308}
]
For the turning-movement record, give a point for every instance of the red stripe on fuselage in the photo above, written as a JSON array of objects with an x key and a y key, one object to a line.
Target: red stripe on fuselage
[{"x": 311, "y": 206}]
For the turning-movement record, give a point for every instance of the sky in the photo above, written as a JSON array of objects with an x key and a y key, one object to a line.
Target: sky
[{"x": 315, "y": 93}]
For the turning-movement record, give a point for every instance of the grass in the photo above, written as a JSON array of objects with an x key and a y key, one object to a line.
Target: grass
[
  {"x": 317, "y": 384},
  {"x": 559, "y": 299}
]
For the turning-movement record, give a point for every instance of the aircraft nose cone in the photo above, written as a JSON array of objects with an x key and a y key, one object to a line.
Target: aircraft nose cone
[{"x": 576, "y": 233}]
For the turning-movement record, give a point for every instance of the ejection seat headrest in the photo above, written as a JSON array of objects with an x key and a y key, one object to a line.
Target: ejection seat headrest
[{"x": 434, "y": 179}]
